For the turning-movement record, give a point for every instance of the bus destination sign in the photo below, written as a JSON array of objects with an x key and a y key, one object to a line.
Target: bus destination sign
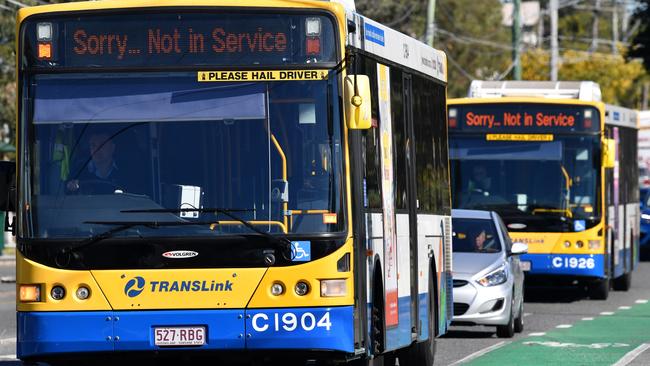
[
  {"x": 84, "y": 43},
  {"x": 523, "y": 118},
  {"x": 181, "y": 40}
]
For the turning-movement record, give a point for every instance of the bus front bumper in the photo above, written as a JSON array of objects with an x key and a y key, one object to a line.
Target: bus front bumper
[
  {"x": 42, "y": 334},
  {"x": 582, "y": 265}
]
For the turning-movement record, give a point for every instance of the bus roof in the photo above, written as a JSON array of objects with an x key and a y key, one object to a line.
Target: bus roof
[
  {"x": 335, "y": 6},
  {"x": 620, "y": 116},
  {"x": 389, "y": 44},
  {"x": 587, "y": 91}
]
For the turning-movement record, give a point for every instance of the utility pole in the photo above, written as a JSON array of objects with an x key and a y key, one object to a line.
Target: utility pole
[
  {"x": 540, "y": 29},
  {"x": 614, "y": 28},
  {"x": 626, "y": 22},
  {"x": 516, "y": 38},
  {"x": 594, "y": 28},
  {"x": 431, "y": 18},
  {"x": 555, "y": 56}
]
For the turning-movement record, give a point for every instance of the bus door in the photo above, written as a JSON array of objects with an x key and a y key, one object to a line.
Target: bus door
[
  {"x": 400, "y": 224},
  {"x": 406, "y": 195}
]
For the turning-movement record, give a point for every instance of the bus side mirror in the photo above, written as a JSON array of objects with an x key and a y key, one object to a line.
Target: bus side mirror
[
  {"x": 357, "y": 99},
  {"x": 7, "y": 186},
  {"x": 609, "y": 153}
]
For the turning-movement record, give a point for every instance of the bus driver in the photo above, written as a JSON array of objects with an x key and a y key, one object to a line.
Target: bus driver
[{"x": 100, "y": 175}]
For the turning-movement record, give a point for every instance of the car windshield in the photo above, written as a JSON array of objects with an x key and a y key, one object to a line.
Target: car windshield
[
  {"x": 475, "y": 236},
  {"x": 541, "y": 186},
  {"x": 102, "y": 145}
]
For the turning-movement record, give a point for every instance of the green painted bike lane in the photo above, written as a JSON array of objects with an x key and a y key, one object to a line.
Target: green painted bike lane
[{"x": 602, "y": 341}]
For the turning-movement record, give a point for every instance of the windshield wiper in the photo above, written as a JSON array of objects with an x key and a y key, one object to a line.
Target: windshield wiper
[
  {"x": 122, "y": 226},
  {"x": 284, "y": 244}
]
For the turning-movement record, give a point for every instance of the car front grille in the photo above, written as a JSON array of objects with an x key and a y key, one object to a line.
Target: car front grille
[{"x": 460, "y": 308}]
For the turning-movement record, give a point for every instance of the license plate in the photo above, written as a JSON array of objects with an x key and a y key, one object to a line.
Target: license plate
[
  {"x": 524, "y": 265},
  {"x": 179, "y": 336}
]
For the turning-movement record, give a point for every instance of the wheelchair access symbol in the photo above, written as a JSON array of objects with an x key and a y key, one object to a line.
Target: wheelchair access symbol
[{"x": 300, "y": 251}]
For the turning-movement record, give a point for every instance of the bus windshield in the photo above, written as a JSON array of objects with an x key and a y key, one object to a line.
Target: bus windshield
[
  {"x": 540, "y": 186},
  {"x": 101, "y": 145}
]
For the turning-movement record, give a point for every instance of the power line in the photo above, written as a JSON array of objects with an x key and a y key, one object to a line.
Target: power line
[{"x": 468, "y": 39}]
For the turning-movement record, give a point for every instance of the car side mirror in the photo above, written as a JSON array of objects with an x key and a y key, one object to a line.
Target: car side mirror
[{"x": 519, "y": 249}]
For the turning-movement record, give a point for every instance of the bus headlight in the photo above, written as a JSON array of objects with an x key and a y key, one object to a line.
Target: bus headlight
[
  {"x": 494, "y": 278},
  {"x": 57, "y": 292},
  {"x": 594, "y": 244},
  {"x": 302, "y": 288},
  {"x": 333, "y": 288},
  {"x": 277, "y": 289},
  {"x": 83, "y": 293},
  {"x": 580, "y": 244},
  {"x": 567, "y": 244},
  {"x": 30, "y": 293}
]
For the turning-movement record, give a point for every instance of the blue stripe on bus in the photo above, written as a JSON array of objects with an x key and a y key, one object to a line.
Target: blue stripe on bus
[
  {"x": 51, "y": 333},
  {"x": 301, "y": 328},
  {"x": 400, "y": 335},
  {"x": 47, "y": 333},
  {"x": 625, "y": 262},
  {"x": 424, "y": 316},
  {"x": 591, "y": 265}
]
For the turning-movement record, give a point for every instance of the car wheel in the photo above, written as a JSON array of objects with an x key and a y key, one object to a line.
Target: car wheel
[
  {"x": 519, "y": 320},
  {"x": 508, "y": 330}
]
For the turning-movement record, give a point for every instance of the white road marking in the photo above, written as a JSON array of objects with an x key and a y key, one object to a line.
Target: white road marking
[
  {"x": 7, "y": 340},
  {"x": 624, "y": 308},
  {"x": 527, "y": 314},
  {"x": 564, "y": 326},
  {"x": 641, "y": 301},
  {"x": 7, "y": 357},
  {"x": 554, "y": 344},
  {"x": 539, "y": 334},
  {"x": 607, "y": 313},
  {"x": 630, "y": 356},
  {"x": 480, "y": 353},
  {"x": 587, "y": 318}
]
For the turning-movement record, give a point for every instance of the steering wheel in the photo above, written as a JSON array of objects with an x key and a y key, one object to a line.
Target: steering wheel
[{"x": 90, "y": 186}]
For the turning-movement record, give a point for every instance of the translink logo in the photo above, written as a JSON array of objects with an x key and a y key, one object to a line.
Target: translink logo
[{"x": 137, "y": 285}]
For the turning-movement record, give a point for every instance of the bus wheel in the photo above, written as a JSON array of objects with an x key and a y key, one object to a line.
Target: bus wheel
[
  {"x": 423, "y": 353},
  {"x": 623, "y": 283},
  {"x": 599, "y": 289}
]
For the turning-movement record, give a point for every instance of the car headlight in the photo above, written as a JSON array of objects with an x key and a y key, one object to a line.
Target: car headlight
[{"x": 494, "y": 278}]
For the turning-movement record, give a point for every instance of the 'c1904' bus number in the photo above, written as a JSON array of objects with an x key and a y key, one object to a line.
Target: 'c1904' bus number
[
  {"x": 290, "y": 322},
  {"x": 573, "y": 262}
]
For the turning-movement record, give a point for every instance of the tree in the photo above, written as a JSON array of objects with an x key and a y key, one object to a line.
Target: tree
[
  {"x": 620, "y": 80},
  {"x": 641, "y": 42},
  {"x": 477, "y": 45},
  {"x": 406, "y": 16}
]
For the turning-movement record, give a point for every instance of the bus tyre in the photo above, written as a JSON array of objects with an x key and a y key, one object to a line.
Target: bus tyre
[
  {"x": 623, "y": 283},
  {"x": 599, "y": 289},
  {"x": 423, "y": 353},
  {"x": 519, "y": 320}
]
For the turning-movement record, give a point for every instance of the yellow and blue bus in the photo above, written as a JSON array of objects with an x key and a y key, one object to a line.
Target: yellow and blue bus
[
  {"x": 239, "y": 179},
  {"x": 560, "y": 167}
]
